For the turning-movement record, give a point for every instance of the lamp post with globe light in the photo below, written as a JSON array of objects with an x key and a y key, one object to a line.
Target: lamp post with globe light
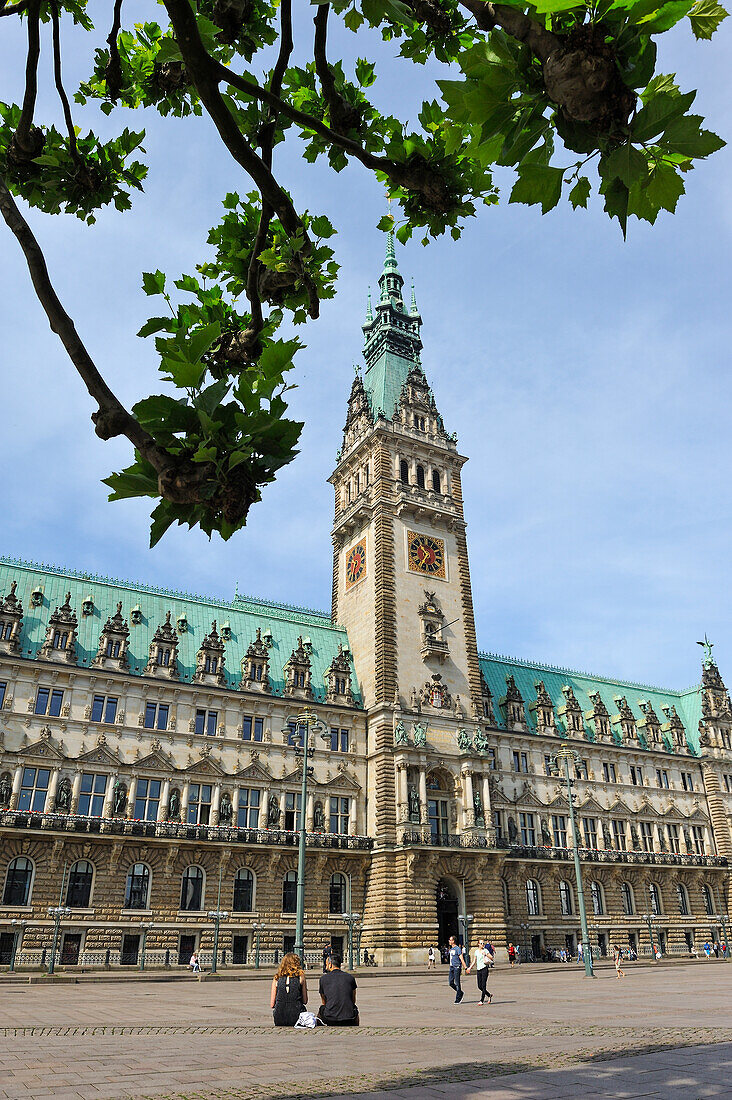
[{"x": 561, "y": 760}]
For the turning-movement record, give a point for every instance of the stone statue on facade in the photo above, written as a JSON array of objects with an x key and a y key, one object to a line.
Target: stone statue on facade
[
  {"x": 400, "y": 734},
  {"x": 226, "y": 810},
  {"x": 707, "y": 646},
  {"x": 119, "y": 798},
  {"x": 546, "y": 839},
  {"x": 478, "y": 808},
  {"x": 174, "y": 806},
  {"x": 634, "y": 839},
  {"x": 319, "y": 818},
  {"x": 273, "y": 810},
  {"x": 413, "y": 804},
  {"x": 606, "y": 838},
  {"x": 419, "y": 731},
  {"x": 512, "y": 831},
  {"x": 464, "y": 740},
  {"x": 63, "y": 797},
  {"x": 6, "y": 791},
  {"x": 480, "y": 742}
]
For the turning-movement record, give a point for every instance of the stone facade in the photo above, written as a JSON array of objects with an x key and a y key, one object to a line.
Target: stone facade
[{"x": 149, "y": 772}]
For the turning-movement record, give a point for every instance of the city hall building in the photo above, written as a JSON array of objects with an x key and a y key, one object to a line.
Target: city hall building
[{"x": 149, "y": 772}]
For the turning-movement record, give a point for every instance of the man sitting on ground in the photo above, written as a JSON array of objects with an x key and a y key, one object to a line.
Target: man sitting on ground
[{"x": 338, "y": 996}]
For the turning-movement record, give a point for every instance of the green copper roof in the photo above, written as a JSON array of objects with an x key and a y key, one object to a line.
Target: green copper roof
[
  {"x": 243, "y": 615},
  {"x": 496, "y": 668}
]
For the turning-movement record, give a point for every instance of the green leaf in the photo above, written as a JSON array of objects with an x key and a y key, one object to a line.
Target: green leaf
[
  {"x": 386, "y": 223},
  {"x": 667, "y": 16},
  {"x": 202, "y": 338},
  {"x": 616, "y": 201},
  {"x": 665, "y": 187},
  {"x": 353, "y": 19},
  {"x": 162, "y": 517},
  {"x": 157, "y": 324},
  {"x": 627, "y": 164},
  {"x": 322, "y": 227},
  {"x": 580, "y": 193},
  {"x": 365, "y": 74},
  {"x": 658, "y": 112},
  {"x": 705, "y": 17},
  {"x": 538, "y": 183},
  {"x": 686, "y": 136},
  {"x": 153, "y": 282}
]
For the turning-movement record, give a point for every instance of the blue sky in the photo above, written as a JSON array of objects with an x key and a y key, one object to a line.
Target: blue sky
[{"x": 587, "y": 379}]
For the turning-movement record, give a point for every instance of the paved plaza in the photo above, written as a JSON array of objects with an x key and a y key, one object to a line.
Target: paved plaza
[{"x": 661, "y": 1032}]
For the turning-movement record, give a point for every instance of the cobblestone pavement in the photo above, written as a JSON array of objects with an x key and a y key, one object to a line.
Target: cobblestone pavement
[{"x": 662, "y": 1033}]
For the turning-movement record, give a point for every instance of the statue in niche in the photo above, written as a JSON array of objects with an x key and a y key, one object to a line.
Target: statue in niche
[
  {"x": 464, "y": 740},
  {"x": 512, "y": 831},
  {"x": 478, "y": 808},
  {"x": 546, "y": 839},
  {"x": 687, "y": 838},
  {"x": 400, "y": 734},
  {"x": 319, "y": 818},
  {"x": 273, "y": 810},
  {"x": 174, "y": 806},
  {"x": 419, "y": 729},
  {"x": 226, "y": 810},
  {"x": 63, "y": 797},
  {"x": 606, "y": 838},
  {"x": 634, "y": 839},
  {"x": 119, "y": 798},
  {"x": 413, "y": 804},
  {"x": 661, "y": 840},
  {"x": 6, "y": 791}
]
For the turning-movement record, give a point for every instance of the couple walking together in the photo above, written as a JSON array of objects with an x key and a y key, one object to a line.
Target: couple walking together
[{"x": 483, "y": 959}]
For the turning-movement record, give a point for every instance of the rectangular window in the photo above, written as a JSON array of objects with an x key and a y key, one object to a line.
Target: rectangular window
[
  {"x": 295, "y": 735},
  {"x": 673, "y": 839},
  {"x": 147, "y": 799},
  {"x": 33, "y": 789},
  {"x": 206, "y": 721},
  {"x": 726, "y": 740},
  {"x": 636, "y": 775},
  {"x": 646, "y": 836},
  {"x": 49, "y": 702},
  {"x": 498, "y": 824},
  {"x": 437, "y": 814},
  {"x": 199, "y": 803},
  {"x": 492, "y": 759},
  {"x": 528, "y": 831},
  {"x": 548, "y": 766},
  {"x": 589, "y": 825},
  {"x": 619, "y": 834},
  {"x": 104, "y": 709},
  {"x": 91, "y": 798},
  {"x": 156, "y": 716},
  {"x": 248, "y": 813},
  {"x": 339, "y": 815},
  {"x": 698, "y": 835},
  {"x": 662, "y": 778},
  {"x": 559, "y": 830},
  {"x": 3, "y": 689},
  {"x": 292, "y": 810},
  {"x": 580, "y": 770},
  {"x": 687, "y": 781},
  {"x": 338, "y": 739},
  {"x": 608, "y": 773},
  {"x": 727, "y": 781},
  {"x": 252, "y": 729},
  {"x": 520, "y": 762}
]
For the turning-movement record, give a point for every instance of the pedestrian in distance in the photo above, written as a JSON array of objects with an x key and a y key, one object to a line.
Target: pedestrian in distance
[
  {"x": 194, "y": 964},
  {"x": 431, "y": 959},
  {"x": 491, "y": 953},
  {"x": 289, "y": 992},
  {"x": 618, "y": 960},
  {"x": 457, "y": 957},
  {"x": 481, "y": 971},
  {"x": 512, "y": 954},
  {"x": 327, "y": 952}
]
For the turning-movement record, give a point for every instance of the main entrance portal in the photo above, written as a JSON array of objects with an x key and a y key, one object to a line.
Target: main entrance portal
[{"x": 447, "y": 913}]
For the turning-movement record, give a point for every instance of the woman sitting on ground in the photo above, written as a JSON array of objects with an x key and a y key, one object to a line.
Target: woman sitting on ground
[{"x": 289, "y": 993}]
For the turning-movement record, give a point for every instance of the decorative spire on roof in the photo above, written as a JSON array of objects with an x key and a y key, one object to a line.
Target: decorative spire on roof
[
  {"x": 113, "y": 642},
  {"x": 255, "y": 666},
  {"x": 210, "y": 659},
  {"x": 369, "y": 308},
  {"x": 413, "y": 306},
  {"x": 60, "y": 640},
  {"x": 163, "y": 657},
  {"x": 11, "y": 621}
]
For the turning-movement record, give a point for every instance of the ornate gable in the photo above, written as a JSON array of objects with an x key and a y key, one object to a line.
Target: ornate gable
[
  {"x": 157, "y": 760},
  {"x": 100, "y": 754},
  {"x": 674, "y": 727},
  {"x": 543, "y": 709},
  {"x": 591, "y": 804},
  {"x": 60, "y": 640},
  {"x": 343, "y": 780},
  {"x": 255, "y": 771},
  {"x": 255, "y": 666},
  {"x": 11, "y": 622},
  {"x": 571, "y": 711},
  {"x": 624, "y": 720},
  {"x": 113, "y": 643},
  {"x": 298, "y": 673},
  {"x": 163, "y": 654},
  {"x": 359, "y": 418},
  {"x": 649, "y": 723},
  {"x": 205, "y": 766},
  {"x": 46, "y": 748},
  {"x": 338, "y": 680},
  {"x": 599, "y": 717},
  {"x": 210, "y": 660}
]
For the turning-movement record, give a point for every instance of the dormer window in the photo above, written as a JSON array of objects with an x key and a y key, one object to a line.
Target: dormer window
[
  {"x": 60, "y": 639},
  {"x": 163, "y": 653},
  {"x": 211, "y": 665},
  {"x": 113, "y": 648},
  {"x": 210, "y": 658},
  {"x": 255, "y": 666},
  {"x": 61, "y": 633},
  {"x": 113, "y": 642},
  {"x": 162, "y": 657}
]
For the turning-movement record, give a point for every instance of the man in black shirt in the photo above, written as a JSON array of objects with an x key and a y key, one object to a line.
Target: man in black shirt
[{"x": 338, "y": 996}]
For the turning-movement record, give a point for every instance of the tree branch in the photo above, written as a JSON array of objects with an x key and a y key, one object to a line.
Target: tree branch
[
  {"x": 13, "y": 9},
  {"x": 322, "y": 67},
  {"x": 113, "y": 72},
  {"x": 23, "y": 133},
  {"x": 487, "y": 15},
  {"x": 60, "y": 87}
]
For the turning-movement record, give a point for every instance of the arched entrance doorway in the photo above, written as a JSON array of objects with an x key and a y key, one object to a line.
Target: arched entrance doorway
[{"x": 447, "y": 912}]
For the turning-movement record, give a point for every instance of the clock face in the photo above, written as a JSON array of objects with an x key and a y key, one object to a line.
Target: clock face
[
  {"x": 426, "y": 554},
  {"x": 355, "y": 564}
]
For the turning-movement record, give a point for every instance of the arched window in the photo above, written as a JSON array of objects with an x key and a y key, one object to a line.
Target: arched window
[
  {"x": 78, "y": 891},
  {"x": 404, "y": 471},
  {"x": 18, "y": 881},
  {"x": 707, "y": 898},
  {"x": 420, "y": 477},
  {"x": 137, "y": 887},
  {"x": 683, "y": 897},
  {"x": 565, "y": 898},
  {"x": 626, "y": 893},
  {"x": 598, "y": 900},
  {"x": 436, "y": 481},
  {"x": 289, "y": 892},
  {"x": 655, "y": 896},
  {"x": 191, "y": 890},
  {"x": 506, "y": 898},
  {"x": 338, "y": 893},
  {"x": 243, "y": 891},
  {"x": 532, "y": 897}
]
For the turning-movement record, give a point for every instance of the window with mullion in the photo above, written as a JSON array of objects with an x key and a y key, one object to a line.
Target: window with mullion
[
  {"x": 673, "y": 838},
  {"x": 619, "y": 834},
  {"x": 248, "y": 812},
  {"x": 104, "y": 709},
  {"x": 147, "y": 799},
  {"x": 252, "y": 729},
  {"x": 589, "y": 825},
  {"x": 559, "y": 830},
  {"x": 49, "y": 701},
  {"x": 292, "y": 810},
  {"x": 338, "y": 739},
  {"x": 33, "y": 789},
  {"x": 528, "y": 831},
  {"x": 199, "y": 803},
  {"x": 339, "y": 815},
  {"x": 437, "y": 813},
  {"x": 91, "y": 798},
  {"x": 156, "y": 716},
  {"x": 206, "y": 722},
  {"x": 646, "y": 829}
]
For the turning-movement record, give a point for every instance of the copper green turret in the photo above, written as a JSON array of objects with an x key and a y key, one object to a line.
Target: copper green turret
[{"x": 392, "y": 341}]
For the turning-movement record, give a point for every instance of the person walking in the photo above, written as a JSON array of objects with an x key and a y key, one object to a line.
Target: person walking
[
  {"x": 289, "y": 992},
  {"x": 618, "y": 960},
  {"x": 431, "y": 959},
  {"x": 512, "y": 954},
  {"x": 457, "y": 955},
  {"x": 491, "y": 953},
  {"x": 481, "y": 971}
]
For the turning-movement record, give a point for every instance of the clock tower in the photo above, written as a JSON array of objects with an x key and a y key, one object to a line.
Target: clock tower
[{"x": 401, "y": 584}]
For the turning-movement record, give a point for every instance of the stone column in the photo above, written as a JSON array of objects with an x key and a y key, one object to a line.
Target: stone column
[
  {"x": 75, "y": 792},
  {"x": 17, "y": 779},
  {"x": 109, "y": 796},
  {"x": 184, "y": 802},
  {"x": 235, "y": 806},
  {"x": 131, "y": 795},
  {"x": 403, "y": 792},
  {"x": 310, "y": 812},
  {"x": 468, "y": 812},
  {"x": 487, "y": 801},
  {"x": 352, "y": 818},
  {"x": 216, "y": 804},
  {"x": 264, "y": 814},
  {"x": 164, "y": 800},
  {"x": 423, "y": 795},
  {"x": 52, "y": 788}
]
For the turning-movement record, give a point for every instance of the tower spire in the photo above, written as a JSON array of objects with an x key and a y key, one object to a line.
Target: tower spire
[{"x": 369, "y": 310}]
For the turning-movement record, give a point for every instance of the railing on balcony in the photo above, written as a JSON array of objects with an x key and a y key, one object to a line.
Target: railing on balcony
[
  {"x": 608, "y": 855},
  {"x": 444, "y": 840},
  {"x": 174, "y": 830}
]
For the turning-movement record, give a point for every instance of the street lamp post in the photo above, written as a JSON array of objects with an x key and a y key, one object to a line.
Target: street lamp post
[
  {"x": 351, "y": 919},
  {"x": 20, "y": 925},
  {"x": 466, "y": 919},
  {"x": 57, "y": 912},
  {"x": 723, "y": 922},
  {"x": 146, "y": 927},
  {"x": 304, "y": 720},
  {"x": 217, "y": 915},
  {"x": 648, "y": 918},
  {"x": 561, "y": 759},
  {"x": 257, "y": 927}
]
